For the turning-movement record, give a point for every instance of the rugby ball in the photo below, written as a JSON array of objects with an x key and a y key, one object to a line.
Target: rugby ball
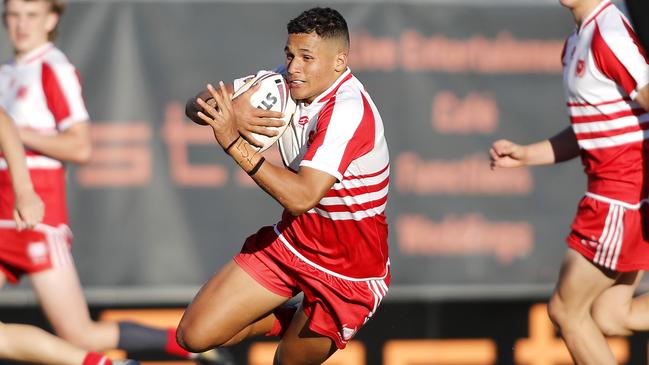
[{"x": 273, "y": 94}]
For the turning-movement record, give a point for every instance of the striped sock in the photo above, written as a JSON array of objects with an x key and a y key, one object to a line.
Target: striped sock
[{"x": 95, "y": 358}]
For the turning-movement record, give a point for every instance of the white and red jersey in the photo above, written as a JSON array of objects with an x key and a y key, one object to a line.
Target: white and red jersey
[
  {"x": 604, "y": 68},
  {"x": 340, "y": 133},
  {"x": 42, "y": 92}
]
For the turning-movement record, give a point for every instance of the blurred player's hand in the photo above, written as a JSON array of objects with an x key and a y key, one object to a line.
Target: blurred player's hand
[
  {"x": 220, "y": 116},
  {"x": 504, "y": 153},
  {"x": 254, "y": 120},
  {"x": 28, "y": 210}
]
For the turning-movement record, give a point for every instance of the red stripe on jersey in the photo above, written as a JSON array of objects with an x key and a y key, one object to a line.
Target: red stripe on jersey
[
  {"x": 609, "y": 64},
  {"x": 593, "y": 17},
  {"x": 353, "y": 208},
  {"x": 607, "y": 117},
  {"x": 324, "y": 118},
  {"x": 612, "y": 133},
  {"x": 353, "y": 177},
  {"x": 359, "y": 190},
  {"x": 56, "y": 100},
  {"x": 363, "y": 140},
  {"x": 335, "y": 90},
  {"x": 626, "y": 98}
]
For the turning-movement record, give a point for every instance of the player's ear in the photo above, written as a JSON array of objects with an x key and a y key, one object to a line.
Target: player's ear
[
  {"x": 51, "y": 21},
  {"x": 341, "y": 61}
]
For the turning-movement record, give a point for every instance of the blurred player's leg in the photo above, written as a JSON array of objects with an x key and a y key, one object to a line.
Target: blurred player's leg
[
  {"x": 229, "y": 303},
  {"x": 300, "y": 345},
  {"x": 580, "y": 283},
  {"x": 64, "y": 305},
  {"x": 63, "y": 302},
  {"x": 31, "y": 344}
]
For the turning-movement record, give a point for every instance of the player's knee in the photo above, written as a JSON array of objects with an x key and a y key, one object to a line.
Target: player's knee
[{"x": 195, "y": 339}]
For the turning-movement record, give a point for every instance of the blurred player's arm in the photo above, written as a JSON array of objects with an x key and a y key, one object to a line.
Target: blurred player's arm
[
  {"x": 297, "y": 192},
  {"x": 71, "y": 145},
  {"x": 28, "y": 207},
  {"x": 561, "y": 147},
  {"x": 249, "y": 120}
]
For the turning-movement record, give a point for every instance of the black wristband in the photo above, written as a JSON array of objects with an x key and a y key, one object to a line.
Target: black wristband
[
  {"x": 257, "y": 166},
  {"x": 227, "y": 149}
]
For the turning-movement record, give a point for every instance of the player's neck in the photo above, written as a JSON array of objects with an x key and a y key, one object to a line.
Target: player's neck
[
  {"x": 20, "y": 55},
  {"x": 583, "y": 9}
]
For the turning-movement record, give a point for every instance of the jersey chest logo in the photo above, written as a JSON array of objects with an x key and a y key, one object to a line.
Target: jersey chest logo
[
  {"x": 303, "y": 121},
  {"x": 581, "y": 68}
]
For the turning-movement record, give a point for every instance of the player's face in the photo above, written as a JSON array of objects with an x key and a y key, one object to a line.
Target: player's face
[
  {"x": 28, "y": 24},
  {"x": 313, "y": 64}
]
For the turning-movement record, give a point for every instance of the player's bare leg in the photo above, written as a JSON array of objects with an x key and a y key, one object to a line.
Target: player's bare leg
[
  {"x": 31, "y": 344},
  {"x": 580, "y": 283},
  {"x": 617, "y": 312},
  {"x": 63, "y": 302},
  {"x": 301, "y": 346},
  {"x": 229, "y": 303}
]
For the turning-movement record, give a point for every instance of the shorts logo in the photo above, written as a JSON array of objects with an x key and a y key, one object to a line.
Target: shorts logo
[
  {"x": 581, "y": 67},
  {"x": 591, "y": 242},
  {"x": 347, "y": 333},
  {"x": 37, "y": 252}
]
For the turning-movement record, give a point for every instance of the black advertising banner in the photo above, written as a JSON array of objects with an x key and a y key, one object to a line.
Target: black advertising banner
[{"x": 161, "y": 207}]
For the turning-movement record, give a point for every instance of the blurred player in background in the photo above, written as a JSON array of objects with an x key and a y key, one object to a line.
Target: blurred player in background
[
  {"x": 331, "y": 242},
  {"x": 17, "y": 341},
  {"x": 606, "y": 77},
  {"x": 41, "y": 91}
]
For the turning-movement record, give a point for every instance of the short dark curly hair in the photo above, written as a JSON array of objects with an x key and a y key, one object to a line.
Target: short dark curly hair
[{"x": 325, "y": 22}]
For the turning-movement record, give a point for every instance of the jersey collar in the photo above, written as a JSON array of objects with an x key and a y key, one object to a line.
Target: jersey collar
[
  {"x": 593, "y": 14},
  {"x": 35, "y": 54},
  {"x": 331, "y": 91}
]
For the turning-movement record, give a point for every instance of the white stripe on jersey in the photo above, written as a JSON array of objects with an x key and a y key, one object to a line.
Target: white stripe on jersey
[
  {"x": 356, "y": 199},
  {"x": 357, "y": 216},
  {"x": 36, "y": 162},
  {"x": 592, "y": 127},
  {"x": 602, "y": 109},
  {"x": 612, "y": 141}
]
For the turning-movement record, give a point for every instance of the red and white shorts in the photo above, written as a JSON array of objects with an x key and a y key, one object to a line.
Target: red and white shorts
[
  {"x": 45, "y": 247},
  {"x": 337, "y": 307},
  {"x": 32, "y": 251},
  {"x": 612, "y": 234}
]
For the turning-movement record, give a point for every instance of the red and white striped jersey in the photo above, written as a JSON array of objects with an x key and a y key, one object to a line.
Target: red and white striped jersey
[
  {"x": 42, "y": 92},
  {"x": 604, "y": 68},
  {"x": 340, "y": 133}
]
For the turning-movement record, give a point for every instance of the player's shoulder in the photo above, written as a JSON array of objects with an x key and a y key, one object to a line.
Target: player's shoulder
[
  {"x": 57, "y": 59},
  {"x": 612, "y": 23}
]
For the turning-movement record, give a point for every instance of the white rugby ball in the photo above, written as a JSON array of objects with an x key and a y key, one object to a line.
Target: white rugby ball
[{"x": 273, "y": 94}]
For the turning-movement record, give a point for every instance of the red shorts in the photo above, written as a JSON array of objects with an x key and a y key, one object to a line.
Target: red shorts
[
  {"x": 31, "y": 251},
  {"x": 612, "y": 234},
  {"x": 47, "y": 246},
  {"x": 336, "y": 307}
]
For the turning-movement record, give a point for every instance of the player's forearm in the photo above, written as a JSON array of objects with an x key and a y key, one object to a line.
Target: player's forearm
[
  {"x": 289, "y": 189},
  {"x": 72, "y": 145},
  {"x": 14, "y": 154}
]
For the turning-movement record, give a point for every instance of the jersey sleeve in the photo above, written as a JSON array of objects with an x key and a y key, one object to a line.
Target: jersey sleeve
[
  {"x": 345, "y": 131},
  {"x": 620, "y": 58},
  {"x": 62, "y": 89}
]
